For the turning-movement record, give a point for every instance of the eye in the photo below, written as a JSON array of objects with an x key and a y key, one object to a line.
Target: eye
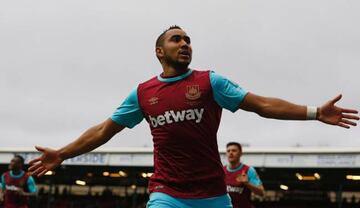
[
  {"x": 176, "y": 38},
  {"x": 187, "y": 39}
]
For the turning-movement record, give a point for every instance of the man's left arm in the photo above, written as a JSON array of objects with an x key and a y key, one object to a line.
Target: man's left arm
[
  {"x": 254, "y": 183},
  {"x": 231, "y": 96},
  {"x": 277, "y": 108}
]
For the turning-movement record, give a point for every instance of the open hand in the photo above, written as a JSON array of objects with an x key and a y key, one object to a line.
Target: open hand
[
  {"x": 49, "y": 160},
  {"x": 334, "y": 115}
]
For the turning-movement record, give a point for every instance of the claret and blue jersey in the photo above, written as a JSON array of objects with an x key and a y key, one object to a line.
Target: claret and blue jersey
[
  {"x": 183, "y": 113},
  {"x": 30, "y": 183},
  {"x": 240, "y": 194},
  {"x": 10, "y": 183},
  {"x": 226, "y": 93}
]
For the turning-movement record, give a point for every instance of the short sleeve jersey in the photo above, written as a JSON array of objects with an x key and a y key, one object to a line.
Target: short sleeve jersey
[
  {"x": 11, "y": 182},
  {"x": 240, "y": 195},
  {"x": 183, "y": 113}
]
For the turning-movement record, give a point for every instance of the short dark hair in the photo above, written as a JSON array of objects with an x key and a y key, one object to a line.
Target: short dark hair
[
  {"x": 235, "y": 144},
  {"x": 22, "y": 160},
  {"x": 160, "y": 39}
]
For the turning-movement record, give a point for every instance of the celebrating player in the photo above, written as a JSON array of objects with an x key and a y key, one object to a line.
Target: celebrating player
[{"x": 183, "y": 108}]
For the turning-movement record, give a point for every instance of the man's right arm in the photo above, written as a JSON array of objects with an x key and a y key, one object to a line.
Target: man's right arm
[
  {"x": 128, "y": 114},
  {"x": 89, "y": 140}
]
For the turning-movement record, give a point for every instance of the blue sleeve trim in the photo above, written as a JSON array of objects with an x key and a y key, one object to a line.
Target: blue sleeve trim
[
  {"x": 2, "y": 182},
  {"x": 254, "y": 177},
  {"x": 226, "y": 93},
  {"x": 129, "y": 113},
  {"x": 31, "y": 185}
]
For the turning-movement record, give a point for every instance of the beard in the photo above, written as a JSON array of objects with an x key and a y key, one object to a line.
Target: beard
[{"x": 178, "y": 65}]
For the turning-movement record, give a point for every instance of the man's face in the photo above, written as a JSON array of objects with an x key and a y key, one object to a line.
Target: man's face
[
  {"x": 15, "y": 164},
  {"x": 233, "y": 153},
  {"x": 176, "y": 49}
]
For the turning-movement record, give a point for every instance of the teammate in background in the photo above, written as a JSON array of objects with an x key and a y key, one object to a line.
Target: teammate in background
[
  {"x": 183, "y": 108},
  {"x": 16, "y": 185},
  {"x": 240, "y": 178}
]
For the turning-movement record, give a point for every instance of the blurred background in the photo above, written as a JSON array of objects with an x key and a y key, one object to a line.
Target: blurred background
[
  {"x": 292, "y": 177},
  {"x": 66, "y": 66}
]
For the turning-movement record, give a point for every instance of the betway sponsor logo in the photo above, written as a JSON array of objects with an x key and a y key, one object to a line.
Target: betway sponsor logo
[
  {"x": 177, "y": 116},
  {"x": 236, "y": 189},
  {"x": 11, "y": 188}
]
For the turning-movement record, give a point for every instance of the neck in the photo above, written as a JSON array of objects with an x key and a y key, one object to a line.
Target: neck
[
  {"x": 173, "y": 71},
  {"x": 234, "y": 164}
]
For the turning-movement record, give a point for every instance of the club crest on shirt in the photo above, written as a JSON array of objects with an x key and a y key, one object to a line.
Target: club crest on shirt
[
  {"x": 153, "y": 100},
  {"x": 238, "y": 178},
  {"x": 192, "y": 92}
]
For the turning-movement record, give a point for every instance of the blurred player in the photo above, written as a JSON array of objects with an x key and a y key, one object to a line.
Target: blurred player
[
  {"x": 17, "y": 185},
  {"x": 183, "y": 108},
  {"x": 240, "y": 178}
]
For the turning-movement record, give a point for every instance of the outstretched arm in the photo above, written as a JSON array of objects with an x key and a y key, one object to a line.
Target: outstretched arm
[
  {"x": 91, "y": 139},
  {"x": 276, "y": 108}
]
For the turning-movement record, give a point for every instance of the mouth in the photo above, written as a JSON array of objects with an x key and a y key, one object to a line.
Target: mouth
[{"x": 185, "y": 53}]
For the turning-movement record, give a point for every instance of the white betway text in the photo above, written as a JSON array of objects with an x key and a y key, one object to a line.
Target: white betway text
[
  {"x": 234, "y": 189},
  {"x": 177, "y": 116}
]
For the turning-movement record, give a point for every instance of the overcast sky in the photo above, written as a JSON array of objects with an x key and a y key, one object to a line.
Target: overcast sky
[{"x": 66, "y": 65}]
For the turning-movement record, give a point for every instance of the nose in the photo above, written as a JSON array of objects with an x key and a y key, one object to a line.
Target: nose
[{"x": 184, "y": 44}]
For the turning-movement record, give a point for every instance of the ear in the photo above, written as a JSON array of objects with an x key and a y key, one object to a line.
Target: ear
[{"x": 159, "y": 52}]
